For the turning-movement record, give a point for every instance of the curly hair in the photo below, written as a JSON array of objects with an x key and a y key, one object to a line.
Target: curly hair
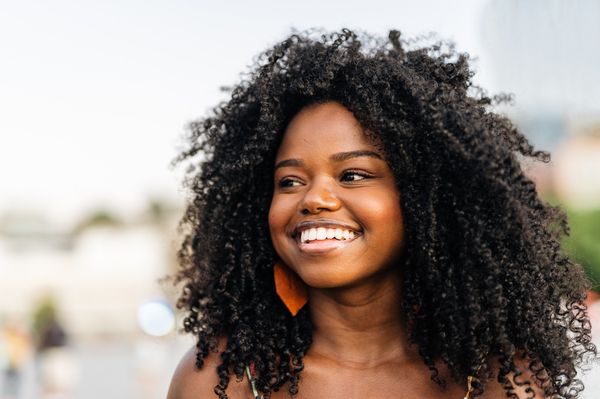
[{"x": 486, "y": 285}]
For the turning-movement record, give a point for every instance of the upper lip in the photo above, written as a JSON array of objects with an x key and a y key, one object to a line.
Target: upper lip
[{"x": 328, "y": 223}]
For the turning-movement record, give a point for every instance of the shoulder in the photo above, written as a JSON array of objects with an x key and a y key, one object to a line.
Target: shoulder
[{"x": 189, "y": 382}]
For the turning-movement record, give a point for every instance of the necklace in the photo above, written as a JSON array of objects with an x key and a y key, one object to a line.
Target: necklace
[
  {"x": 250, "y": 374},
  {"x": 469, "y": 387}
]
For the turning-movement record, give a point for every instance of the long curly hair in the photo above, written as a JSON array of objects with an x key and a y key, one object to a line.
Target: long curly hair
[{"x": 486, "y": 284}]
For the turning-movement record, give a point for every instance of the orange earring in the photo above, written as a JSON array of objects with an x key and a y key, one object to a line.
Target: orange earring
[{"x": 290, "y": 288}]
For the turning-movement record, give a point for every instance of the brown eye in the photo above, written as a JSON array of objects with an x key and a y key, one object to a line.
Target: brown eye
[
  {"x": 353, "y": 175},
  {"x": 287, "y": 182}
]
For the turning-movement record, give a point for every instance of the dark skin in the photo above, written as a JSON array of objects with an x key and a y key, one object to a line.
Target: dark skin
[{"x": 360, "y": 347}]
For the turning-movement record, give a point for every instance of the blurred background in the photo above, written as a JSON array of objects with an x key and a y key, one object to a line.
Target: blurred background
[{"x": 94, "y": 99}]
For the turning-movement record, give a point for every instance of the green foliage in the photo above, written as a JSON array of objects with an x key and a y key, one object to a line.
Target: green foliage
[
  {"x": 584, "y": 242},
  {"x": 43, "y": 314},
  {"x": 101, "y": 217}
]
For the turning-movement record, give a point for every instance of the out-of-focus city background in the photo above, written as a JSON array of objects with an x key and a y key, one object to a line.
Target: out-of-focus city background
[{"x": 94, "y": 97}]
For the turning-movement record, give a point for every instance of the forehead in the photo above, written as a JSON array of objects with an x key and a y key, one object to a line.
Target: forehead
[{"x": 323, "y": 128}]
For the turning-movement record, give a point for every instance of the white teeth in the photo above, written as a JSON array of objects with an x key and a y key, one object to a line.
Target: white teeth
[{"x": 322, "y": 233}]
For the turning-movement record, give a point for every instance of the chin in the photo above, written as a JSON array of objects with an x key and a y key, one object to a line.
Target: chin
[{"x": 323, "y": 281}]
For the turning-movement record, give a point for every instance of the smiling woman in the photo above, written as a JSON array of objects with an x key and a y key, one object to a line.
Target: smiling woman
[
  {"x": 361, "y": 227},
  {"x": 328, "y": 176}
]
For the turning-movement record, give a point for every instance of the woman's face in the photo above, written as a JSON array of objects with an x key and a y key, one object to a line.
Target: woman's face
[{"x": 335, "y": 216}]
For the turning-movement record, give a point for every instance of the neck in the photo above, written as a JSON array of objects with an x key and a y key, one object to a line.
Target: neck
[{"x": 360, "y": 326}]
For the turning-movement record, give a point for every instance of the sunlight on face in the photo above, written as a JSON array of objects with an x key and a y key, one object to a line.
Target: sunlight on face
[{"x": 329, "y": 176}]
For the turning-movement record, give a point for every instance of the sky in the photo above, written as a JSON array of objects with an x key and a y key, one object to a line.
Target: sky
[{"x": 95, "y": 95}]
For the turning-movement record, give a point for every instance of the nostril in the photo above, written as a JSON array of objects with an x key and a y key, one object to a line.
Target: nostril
[{"x": 307, "y": 211}]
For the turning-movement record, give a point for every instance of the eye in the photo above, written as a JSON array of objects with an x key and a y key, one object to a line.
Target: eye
[
  {"x": 354, "y": 175},
  {"x": 288, "y": 182}
]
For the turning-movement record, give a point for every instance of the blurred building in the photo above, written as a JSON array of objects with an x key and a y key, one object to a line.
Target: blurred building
[
  {"x": 98, "y": 274},
  {"x": 577, "y": 175},
  {"x": 547, "y": 54}
]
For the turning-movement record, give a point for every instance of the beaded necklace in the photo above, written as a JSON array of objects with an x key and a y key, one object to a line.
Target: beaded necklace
[{"x": 251, "y": 380}]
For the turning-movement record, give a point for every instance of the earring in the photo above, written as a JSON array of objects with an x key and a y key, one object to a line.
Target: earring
[{"x": 290, "y": 288}]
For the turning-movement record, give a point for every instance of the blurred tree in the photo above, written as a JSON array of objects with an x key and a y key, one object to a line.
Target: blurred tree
[
  {"x": 584, "y": 242},
  {"x": 162, "y": 212},
  {"x": 42, "y": 315},
  {"x": 48, "y": 331},
  {"x": 101, "y": 217}
]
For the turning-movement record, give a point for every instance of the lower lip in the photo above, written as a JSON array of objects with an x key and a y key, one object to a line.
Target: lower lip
[{"x": 322, "y": 247}]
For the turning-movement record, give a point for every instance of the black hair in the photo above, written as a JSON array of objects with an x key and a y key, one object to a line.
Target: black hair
[{"x": 485, "y": 278}]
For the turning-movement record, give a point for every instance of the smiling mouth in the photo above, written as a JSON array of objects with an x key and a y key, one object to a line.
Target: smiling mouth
[
  {"x": 321, "y": 247},
  {"x": 323, "y": 233}
]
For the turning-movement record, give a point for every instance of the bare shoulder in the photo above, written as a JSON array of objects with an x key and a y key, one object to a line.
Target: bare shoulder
[{"x": 189, "y": 382}]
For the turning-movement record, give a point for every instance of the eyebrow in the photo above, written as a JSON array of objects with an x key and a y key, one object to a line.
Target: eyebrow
[{"x": 337, "y": 157}]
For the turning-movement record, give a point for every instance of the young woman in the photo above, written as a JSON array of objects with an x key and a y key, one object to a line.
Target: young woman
[{"x": 360, "y": 227}]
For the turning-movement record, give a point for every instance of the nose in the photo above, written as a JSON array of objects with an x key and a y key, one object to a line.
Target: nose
[{"x": 320, "y": 196}]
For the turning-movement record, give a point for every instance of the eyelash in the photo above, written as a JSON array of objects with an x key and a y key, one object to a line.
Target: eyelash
[
  {"x": 356, "y": 172},
  {"x": 363, "y": 176}
]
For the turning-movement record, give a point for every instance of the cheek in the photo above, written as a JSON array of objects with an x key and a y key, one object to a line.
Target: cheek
[
  {"x": 277, "y": 219},
  {"x": 280, "y": 214},
  {"x": 382, "y": 218},
  {"x": 393, "y": 213},
  {"x": 273, "y": 219},
  {"x": 379, "y": 211}
]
